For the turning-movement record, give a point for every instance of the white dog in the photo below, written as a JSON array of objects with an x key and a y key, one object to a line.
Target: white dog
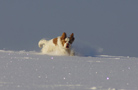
[{"x": 58, "y": 46}]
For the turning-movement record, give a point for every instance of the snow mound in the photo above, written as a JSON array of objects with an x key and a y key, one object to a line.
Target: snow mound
[{"x": 82, "y": 49}]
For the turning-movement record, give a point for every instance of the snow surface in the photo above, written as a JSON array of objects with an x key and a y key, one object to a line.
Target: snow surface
[{"x": 33, "y": 71}]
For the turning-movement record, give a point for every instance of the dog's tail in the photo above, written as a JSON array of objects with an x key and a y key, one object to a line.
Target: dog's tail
[{"x": 41, "y": 43}]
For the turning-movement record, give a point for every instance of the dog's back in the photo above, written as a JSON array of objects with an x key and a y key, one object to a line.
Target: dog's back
[{"x": 47, "y": 46}]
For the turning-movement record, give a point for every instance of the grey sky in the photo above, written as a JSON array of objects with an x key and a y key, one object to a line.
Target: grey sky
[{"x": 108, "y": 24}]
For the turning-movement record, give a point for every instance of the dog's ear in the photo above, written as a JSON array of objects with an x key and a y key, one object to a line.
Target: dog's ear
[
  {"x": 63, "y": 36},
  {"x": 72, "y": 38}
]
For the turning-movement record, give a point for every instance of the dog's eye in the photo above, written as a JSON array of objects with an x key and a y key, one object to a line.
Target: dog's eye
[
  {"x": 64, "y": 41},
  {"x": 70, "y": 41}
]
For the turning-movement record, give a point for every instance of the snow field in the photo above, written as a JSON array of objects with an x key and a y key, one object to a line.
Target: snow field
[{"x": 34, "y": 71}]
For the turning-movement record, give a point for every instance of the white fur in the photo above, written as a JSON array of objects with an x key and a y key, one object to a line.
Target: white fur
[{"x": 48, "y": 47}]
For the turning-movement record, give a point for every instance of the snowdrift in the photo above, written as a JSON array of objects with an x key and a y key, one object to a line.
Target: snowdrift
[{"x": 33, "y": 71}]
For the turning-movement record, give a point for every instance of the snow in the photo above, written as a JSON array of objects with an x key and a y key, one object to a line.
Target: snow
[{"x": 21, "y": 70}]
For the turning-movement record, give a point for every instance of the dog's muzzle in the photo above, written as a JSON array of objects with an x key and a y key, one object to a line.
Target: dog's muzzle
[{"x": 67, "y": 46}]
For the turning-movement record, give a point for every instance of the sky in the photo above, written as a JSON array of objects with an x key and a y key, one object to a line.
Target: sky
[{"x": 108, "y": 25}]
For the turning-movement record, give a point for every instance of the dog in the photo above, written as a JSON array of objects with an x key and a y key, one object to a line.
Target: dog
[{"x": 58, "y": 46}]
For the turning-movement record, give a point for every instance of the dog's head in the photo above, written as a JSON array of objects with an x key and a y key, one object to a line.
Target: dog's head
[{"x": 67, "y": 41}]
